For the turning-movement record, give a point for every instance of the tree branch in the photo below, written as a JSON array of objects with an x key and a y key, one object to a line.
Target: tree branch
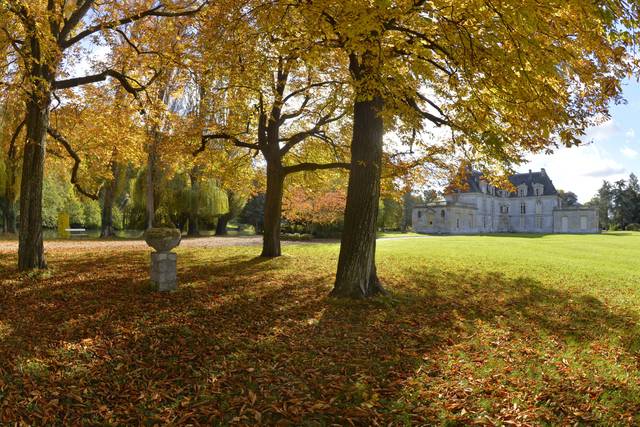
[
  {"x": 426, "y": 115},
  {"x": 74, "y": 20},
  {"x": 133, "y": 45},
  {"x": 100, "y": 77},
  {"x": 158, "y": 11},
  {"x": 12, "y": 143},
  {"x": 76, "y": 163},
  {"x": 226, "y": 136},
  {"x": 310, "y": 86},
  {"x": 314, "y": 166},
  {"x": 297, "y": 138}
]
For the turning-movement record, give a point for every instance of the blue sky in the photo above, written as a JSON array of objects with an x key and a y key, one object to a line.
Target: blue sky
[{"x": 612, "y": 154}]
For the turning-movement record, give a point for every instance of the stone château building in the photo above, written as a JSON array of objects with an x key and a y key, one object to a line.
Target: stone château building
[{"x": 535, "y": 207}]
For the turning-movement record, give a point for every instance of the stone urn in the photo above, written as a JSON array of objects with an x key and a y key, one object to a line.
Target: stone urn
[
  {"x": 163, "y": 239},
  {"x": 163, "y": 261}
]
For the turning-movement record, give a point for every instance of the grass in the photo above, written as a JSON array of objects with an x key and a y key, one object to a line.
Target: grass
[
  {"x": 479, "y": 330},
  {"x": 386, "y": 234}
]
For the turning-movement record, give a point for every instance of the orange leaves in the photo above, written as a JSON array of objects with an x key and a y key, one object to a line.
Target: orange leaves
[{"x": 305, "y": 205}]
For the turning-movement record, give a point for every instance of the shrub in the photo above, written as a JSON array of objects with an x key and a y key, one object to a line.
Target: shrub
[
  {"x": 296, "y": 237},
  {"x": 633, "y": 227}
]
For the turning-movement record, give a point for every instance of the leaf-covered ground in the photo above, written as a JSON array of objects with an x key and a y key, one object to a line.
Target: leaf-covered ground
[{"x": 488, "y": 330}]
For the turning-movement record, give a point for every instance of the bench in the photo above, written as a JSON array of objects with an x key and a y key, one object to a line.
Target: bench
[{"x": 79, "y": 232}]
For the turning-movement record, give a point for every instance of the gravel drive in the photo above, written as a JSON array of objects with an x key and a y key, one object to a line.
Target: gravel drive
[{"x": 200, "y": 242}]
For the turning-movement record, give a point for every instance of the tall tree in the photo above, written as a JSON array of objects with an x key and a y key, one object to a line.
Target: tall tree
[
  {"x": 568, "y": 198},
  {"x": 292, "y": 98},
  {"x": 605, "y": 204},
  {"x": 45, "y": 35},
  {"x": 503, "y": 77}
]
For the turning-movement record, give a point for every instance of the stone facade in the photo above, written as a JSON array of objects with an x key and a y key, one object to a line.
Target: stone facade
[
  {"x": 534, "y": 207},
  {"x": 575, "y": 220},
  {"x": 164, "y": 270}
]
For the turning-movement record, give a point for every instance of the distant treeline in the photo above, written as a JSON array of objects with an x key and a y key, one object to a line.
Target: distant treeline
[{"x": 619, "y": 204}]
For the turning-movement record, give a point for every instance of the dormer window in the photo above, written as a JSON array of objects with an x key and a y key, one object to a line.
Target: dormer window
[
  {"x": 522, "y": 191},
  {"x": 538, "y": 189}
]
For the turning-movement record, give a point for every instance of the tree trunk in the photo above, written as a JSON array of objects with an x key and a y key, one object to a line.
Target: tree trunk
[
  {"x": 107, "y": 229},
  {"x": 10, "y": 197},
  {"x": 221, "y": 226},
  {"x": 151, "y": 166},
  {"x": 31, "y": 249},
  {"x": 194, "y": 229},
  {"x": 4, "y": 215},
  {"x": 273, "y": 212},
  {"x": 10, "y": 216},
  {"x": 356, "y": 276}
]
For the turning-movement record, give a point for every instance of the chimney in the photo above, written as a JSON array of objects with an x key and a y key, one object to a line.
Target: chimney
[{"x": 544, "y": 172}]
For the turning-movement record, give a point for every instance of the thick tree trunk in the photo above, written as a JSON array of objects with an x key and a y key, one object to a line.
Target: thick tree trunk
[
  {"x": 31, "y": 249},
  {"x": 221, "y": 226},
  {"x": 273, "y": 212},
  {"x": 223, "y": 220},
  {"x": 356, "y": 276},
  {"x": 109, "y": 194},
  {"x": 193, "y": 230}
]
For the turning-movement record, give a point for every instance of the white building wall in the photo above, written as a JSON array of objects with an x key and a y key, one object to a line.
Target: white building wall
[
  {"x": 576, "y": 221},
  {"x": 473, "y": 213}
]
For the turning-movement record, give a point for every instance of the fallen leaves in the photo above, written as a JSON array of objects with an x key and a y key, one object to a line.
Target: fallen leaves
[{"x": 254, "y": 341}]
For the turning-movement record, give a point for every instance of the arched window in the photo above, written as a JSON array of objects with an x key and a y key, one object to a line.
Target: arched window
[{"x": 419, "y": 214}]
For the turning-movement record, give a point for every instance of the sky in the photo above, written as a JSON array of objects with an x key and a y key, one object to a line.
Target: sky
[{"x": 611, "y": 151}]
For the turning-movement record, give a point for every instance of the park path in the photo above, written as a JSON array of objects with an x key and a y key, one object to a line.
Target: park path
[
  {"x": 8, "y": 246},
  {"x": 133, "y": 244}
]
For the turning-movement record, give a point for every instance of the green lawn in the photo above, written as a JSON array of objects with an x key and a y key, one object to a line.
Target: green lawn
[{"x": 485, "y": 329}]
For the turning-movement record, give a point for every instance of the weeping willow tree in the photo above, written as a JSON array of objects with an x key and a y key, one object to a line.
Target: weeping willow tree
[
  {"x": 235, "y": 203},
  {"x": 181, "y": 201}
]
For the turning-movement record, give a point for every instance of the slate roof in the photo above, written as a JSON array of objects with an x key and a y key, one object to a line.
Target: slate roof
[{"x": 528, "y": 178}]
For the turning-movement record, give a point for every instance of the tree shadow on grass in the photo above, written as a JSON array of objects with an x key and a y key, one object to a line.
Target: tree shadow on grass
[
  {"x": 620, "y": 234},
  {"x": 248, "y": 340}
]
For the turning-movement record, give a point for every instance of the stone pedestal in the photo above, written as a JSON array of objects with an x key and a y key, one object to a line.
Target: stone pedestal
[{"x": 163, "y": 270}]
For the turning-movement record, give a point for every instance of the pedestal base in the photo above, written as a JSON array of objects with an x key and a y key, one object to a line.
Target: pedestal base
[{"x": 163, "y": 270}]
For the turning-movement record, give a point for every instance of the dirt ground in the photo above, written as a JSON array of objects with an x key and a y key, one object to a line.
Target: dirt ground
[{"x": 200, "y": 242}]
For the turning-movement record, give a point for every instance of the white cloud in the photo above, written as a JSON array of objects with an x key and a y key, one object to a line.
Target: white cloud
[
  {"x": 579, "y": 169},
  {"x": 605, "y": 131},
  {"x": 631, "y": 134},
  {"x": 629, "y": 152}
]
